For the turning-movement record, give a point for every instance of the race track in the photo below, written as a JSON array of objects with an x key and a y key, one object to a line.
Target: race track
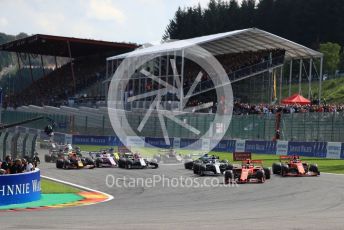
[{"x": 280, "y": 203}]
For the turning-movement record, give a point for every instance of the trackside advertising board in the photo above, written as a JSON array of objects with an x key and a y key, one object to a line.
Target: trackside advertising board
[
  {"x": 20, "y": 188},
  {"x": 95, "y": 140},
  {"x": 263, "y": 147},
  {"x": 307, "y": 149},
  {"x": 332, "y": 150},
  {"x": 281, "y": 147},
  {"x": 241, "y": 156},
  {"x": 240, "y": 145}
]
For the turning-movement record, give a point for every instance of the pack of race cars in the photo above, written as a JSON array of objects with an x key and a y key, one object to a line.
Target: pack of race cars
[
  {"x": 70, "y": 157},
  {"x": 249, "y": 171}
]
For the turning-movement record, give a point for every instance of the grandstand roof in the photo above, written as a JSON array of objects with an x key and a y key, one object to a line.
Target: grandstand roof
[
  {"x": 58, "y": 46},
  {"x": 251, "y": 39}
]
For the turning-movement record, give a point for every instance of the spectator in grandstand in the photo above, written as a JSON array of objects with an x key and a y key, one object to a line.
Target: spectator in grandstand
[
  {"x": 55, "y": 88},
  {"x": 7, "y": 164},
  {"x": 1, "y": 170},
  {"x": 17, "y": 167},
  {"x": 27, "y": 166},
  {"x": 244, "y": 108}
]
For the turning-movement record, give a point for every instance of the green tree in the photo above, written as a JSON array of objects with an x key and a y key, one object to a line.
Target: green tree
[
  {"x": 331, "y": 53},
  {"x": 298, "y": 20},
  {"x": 341, "y": 61}
]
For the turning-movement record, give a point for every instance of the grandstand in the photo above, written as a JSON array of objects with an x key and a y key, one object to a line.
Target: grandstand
[
  {"x": 254, "y": 60},
  {"x": 85, "y": 67}
]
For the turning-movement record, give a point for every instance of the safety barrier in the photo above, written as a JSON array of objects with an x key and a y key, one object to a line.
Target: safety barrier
[
  {"x": 18, "y": 142},
  {"x": 20, "y": 188},
  {"x": 327, "y": 126},
  {"x": 334, "y": 150}
]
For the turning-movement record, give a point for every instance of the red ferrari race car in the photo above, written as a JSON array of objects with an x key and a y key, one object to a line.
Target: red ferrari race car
[
  {"x": 249, "y": 171},
  {"x": 294, "y": 167}
]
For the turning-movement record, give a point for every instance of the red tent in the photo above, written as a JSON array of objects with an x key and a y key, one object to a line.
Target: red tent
[{"x": 296, "y": 99}]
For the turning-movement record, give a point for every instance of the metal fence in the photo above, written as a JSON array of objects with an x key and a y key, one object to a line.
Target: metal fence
[{"x": 297, "y": 126}]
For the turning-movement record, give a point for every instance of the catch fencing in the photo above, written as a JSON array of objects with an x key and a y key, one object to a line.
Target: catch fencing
[{"x": 296, "y": 126}]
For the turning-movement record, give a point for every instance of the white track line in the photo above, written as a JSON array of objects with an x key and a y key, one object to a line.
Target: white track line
[
  {"x": 339, "y": 174},
  {"x": 110, "y": 197}
]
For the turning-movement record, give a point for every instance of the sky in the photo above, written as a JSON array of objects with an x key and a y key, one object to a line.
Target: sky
[{"x": 137, "y": 21}]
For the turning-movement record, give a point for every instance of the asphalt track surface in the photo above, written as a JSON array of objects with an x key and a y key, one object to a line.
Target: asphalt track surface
[{"x": 280, "y": 203}]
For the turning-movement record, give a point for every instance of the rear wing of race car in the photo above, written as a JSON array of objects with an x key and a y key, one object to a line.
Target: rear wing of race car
[
  {"x": 256, "y": 162},
  {"x": 286, "y": 157}
]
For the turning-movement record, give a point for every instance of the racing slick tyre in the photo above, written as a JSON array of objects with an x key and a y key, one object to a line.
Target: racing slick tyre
[
  {"x": 128, "y": 165},
  {"x": 53, "y": 159},
  {"x": 155, "y": 165},
  {"x": 188, "y": 165},
  {"x": 201, "y": 171},
  {"x": 267, "y": 173},
  {"x": 59, "y": 164},
  {"x": 67, "y": 164},
  {"x": 47, "y": 158},
  {"x": 229, "y": 167},
  {"x": 89, "y": 161},
  {"x": 229, "y": 177},
  {"x": 305, "y": 166},
  {"x": 98, "y": 163},
  {"x": 314, "y": 168},
  {"x": 195, "y": 171},
  {"x": 284, "y": 170},
  {"x": 260, "y": 176},
  {"x": 276, "y": 168}
]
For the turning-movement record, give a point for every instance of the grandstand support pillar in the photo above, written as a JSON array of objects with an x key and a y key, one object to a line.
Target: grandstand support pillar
[
  {"x": 174, "y": 81},
  {"x": 310, "y": 79},
  {"x": 280, "y": 84},
  {"x": 112, "y": 66},
  {"x": 290, "y": 75},
  {"x": 126, "y": 88},
  {"x": 160, "y": 75},
  {"x": 30, "y": 69},
  {"x": 42, "y": 65},
  {"x": 270, "y": 91},
  {"x": 300, "y": 76},
  {"x": 107, "y": 69},
  {"x": 181, "y": 83},
  {"x": 167, "y": 72},
  {"x": 320, "y": 77},
  {"x": 71, "y": 65},
  {"x": 18, "y": 63},
  {"x": 55, "y": 62},
  {"x": 104, "y": 89}
]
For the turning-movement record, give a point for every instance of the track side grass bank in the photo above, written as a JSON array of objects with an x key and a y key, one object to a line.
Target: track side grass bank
[{"x": 52, "y": 187}]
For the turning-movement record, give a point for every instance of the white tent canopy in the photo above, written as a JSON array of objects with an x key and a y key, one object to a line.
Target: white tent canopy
[{"x": 251, "y": 39}]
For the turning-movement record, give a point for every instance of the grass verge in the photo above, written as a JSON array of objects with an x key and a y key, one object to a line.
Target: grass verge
[
  {"x": 52, "y": 187},
  {"x": 325, "y": 165}
]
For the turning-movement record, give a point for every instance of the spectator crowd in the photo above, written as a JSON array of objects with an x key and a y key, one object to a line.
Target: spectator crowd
[
  {"x": 55, "y": 88},
  {"x": 10, "y": 166},
  {"x": 245, "y": 109}
]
